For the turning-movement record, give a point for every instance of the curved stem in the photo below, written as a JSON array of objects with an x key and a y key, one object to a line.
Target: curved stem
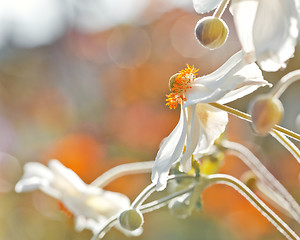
[
  {"x": 151, "y": 188},
  {"x": 284, "y": 141},
  {"x": 105, "y": 228},
  {"x": 282, "y": 196},
  {"x": 139, "y": 201},
  {"x": 247, "y": 117},
  {"x": 256, "y": 202},
  {"x": 122, "y": 170},
  {"x": 220, "y": 9},
  {"x": 163, "y": 201},
  {"x": 284, "y": 82},
  {"x": 143, "y": 195}
]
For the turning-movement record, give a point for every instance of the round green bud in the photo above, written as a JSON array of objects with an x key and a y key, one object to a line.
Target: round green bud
[
  {"x": 266, "y": 111},
  {"x": 211, "y": 32},
  {"x": 131, "y": 219},
  {"x": 179, "y": 208}
]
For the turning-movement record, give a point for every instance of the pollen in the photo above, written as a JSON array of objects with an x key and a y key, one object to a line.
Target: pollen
[{"x": 178, "y": 84}]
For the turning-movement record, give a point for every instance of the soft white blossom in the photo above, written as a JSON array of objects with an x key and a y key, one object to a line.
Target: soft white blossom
[
  {"x": 90, "y": 205},
  {"x": 200, "y": 124},
  {"x": 268, "y": 30}
]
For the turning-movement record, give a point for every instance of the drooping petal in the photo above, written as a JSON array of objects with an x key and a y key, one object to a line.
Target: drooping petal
[
  {"x": 233, "y": 80},
  {"x": 193, "y": 135},
  {"x": 65, "y": 178},
  {"x": 208, "y": 88},
  {"x": 169, "y": 152},
  {"x": 212, "y": 124},
  {"x": 90, "y": 205},
  {"x": 275, "y": 33},
  {"x": 37, "y": 176},
  {"x": 244, "y": 12},
  {"x": 246, "y": 81},
  {"x": 203, "y": 6},
  {"x": 107, "y": 203}
]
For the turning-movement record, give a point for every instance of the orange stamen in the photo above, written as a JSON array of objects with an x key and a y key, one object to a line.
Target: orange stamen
[{"x": 179, "y": 83}]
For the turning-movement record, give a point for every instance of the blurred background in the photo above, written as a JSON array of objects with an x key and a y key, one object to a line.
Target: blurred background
[{"x": 85, "y": 82}]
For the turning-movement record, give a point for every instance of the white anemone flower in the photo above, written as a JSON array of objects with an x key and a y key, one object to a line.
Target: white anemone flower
[
  {"x": 200, "y": 124},
  {"x": 90, "y": 205},
  {"x": 268, "y": 30}
]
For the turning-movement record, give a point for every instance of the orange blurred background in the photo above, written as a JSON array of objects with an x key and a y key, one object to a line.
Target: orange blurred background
[{"x": 93, "y": 97}]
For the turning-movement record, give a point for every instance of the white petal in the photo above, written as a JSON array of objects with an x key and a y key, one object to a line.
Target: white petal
[
  {"x": 37, "y": 176},
  {"x": 275, "y": 33},
  {"x": 203, "y": 6},
  {"x": 246, "y": 81},
  {"x": 212, "y": 124},
  {"x": 225, "y": 82},
  {"x": 108, "y": 203},
  {"x": 244, "y": 12},
  {"x": 169, "y": 152},
  {"x": 211, "y": 88},
  {"x": 30, "y": 184},
  {"x": 65, "y": 178},
  {"x": 38, "y": 170},
  {"x": 297, "y": 4},
  {"x": 233, "y": 80},
  {"x": 192, "y": 139}
]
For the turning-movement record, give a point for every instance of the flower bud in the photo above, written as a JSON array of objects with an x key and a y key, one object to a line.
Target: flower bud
[
  {"x": 249, "y": 179},
  {"x": 179, "y": 208},
  {"x": 211, "y": 32},
  {"x": 131, "y": 219},
  {"x": 266, "y": 111}
]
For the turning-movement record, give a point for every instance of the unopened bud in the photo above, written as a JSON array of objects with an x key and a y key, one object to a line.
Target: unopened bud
[
  {"x": 131, "y": 219},
  {"x": 211, "y": 32},
  {"x": 179, "y": 208},
  {"x": 249, "y": 179},
  {"x": 266, "y": 111}
]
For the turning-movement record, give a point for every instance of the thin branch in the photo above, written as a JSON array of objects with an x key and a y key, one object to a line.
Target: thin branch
[
  {"x": 256, "y": 202},
  {"x": 220, "y": 9},
  {"x": 122, "y": 170},
  {"x": 284, "y": 141},
  {"x": 283, "y": 197},
  {"x": 247, "y": 117}
]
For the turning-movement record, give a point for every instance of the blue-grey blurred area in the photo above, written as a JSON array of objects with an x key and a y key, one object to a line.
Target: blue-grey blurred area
[{"x": 85, "y": 82}]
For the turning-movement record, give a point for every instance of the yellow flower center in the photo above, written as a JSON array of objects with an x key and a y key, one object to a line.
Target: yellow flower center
[{"x": 178, "y": 85}]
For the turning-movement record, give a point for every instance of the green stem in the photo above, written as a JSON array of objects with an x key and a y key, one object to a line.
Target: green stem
[
  {"x": 149, "y": 207},
  {"x": 247, "y": 117},
  {"x": 105, "y": 228},
  {"x": 151, "y": 188},
  {"x": 122, "y": 170},
  {"x": 220, "y": 9},
  {"x": 137, "y": 203},
  {"x": 284, "y": 82},
  {"x": 283, "y": 197},
  {"x": 284, "y": 141}
]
